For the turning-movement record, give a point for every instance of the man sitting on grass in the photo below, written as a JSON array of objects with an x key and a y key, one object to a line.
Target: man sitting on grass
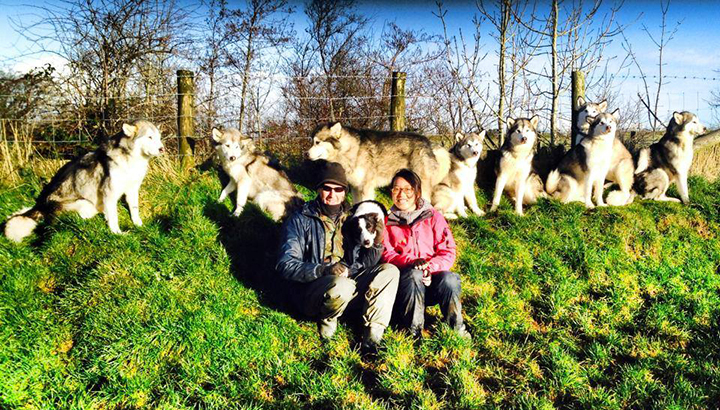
[{"x": 325, "y": 278}]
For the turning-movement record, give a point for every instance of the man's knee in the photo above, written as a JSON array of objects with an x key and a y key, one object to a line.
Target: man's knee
[
  {"x": 340, "y": 292},
  {"x": 387, "y": 273}
]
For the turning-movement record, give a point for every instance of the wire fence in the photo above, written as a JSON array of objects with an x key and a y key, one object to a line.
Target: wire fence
[{"x": 275, "y": 114}]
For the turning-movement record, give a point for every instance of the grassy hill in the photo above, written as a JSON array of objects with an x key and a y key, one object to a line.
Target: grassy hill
[{"x": 604, "y": 309}]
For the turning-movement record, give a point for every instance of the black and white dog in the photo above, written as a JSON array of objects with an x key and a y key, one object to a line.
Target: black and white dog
[{"x": 366, "y": 224}]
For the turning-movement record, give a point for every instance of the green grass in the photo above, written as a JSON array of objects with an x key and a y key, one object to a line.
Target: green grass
[{"x": 604, "y": 309}]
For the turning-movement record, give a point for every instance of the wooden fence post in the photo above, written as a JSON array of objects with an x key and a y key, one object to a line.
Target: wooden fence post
[
  {"x": 185, "y": 119},
  {"x": 397, "y": 101},
  {"x": 578, "y": 90}
]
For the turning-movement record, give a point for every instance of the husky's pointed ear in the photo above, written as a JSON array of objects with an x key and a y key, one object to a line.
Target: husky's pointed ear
[
  {"x": 580, "y": 101},
  {"x": 481, "y": 135},
  {"x": 458, "y": 137},
  {"x": 509, "y": 121},
  {"x": 535, "y": 120},
  {"x": 603, "y": 105},
  {"x": 249, "y": 143},
  {"x": 616, "y": 114},
  {"x": 129, "y": 130},
  {"x": 678, "y": 117},
  {"x": 216, "y": 134},
  {"x": 335, "y": 129}
]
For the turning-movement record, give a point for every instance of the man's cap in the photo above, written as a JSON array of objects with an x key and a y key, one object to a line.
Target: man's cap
[{"x": 333, "y": 173}]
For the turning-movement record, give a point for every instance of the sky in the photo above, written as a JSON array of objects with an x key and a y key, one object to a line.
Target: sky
[{"x": 692, "y": 52}]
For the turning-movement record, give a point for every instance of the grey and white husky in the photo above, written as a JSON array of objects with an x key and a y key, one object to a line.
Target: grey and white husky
[
  {"x": 515, "y": 163},
  {"x": 95, "y": 181},
  {"x": 586, "y": 165},
  {"x": 669, "y": 159},
  {"x": 371, "y": 158},
  {"x": 621, "y": 162},
  {"x": 458, "y": 187},
  {"x": 251, "y": 176}
]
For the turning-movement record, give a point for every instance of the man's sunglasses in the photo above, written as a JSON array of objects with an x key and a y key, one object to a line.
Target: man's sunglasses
[{"x": 337, "y": 189}]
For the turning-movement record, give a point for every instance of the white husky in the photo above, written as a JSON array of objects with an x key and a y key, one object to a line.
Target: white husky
[
  {"x": 458, "y": 187},
  {"x": 96, "y": 181},
  {"x": 586, "y": 165},
  {"x": 515, "y": 162},
  {"x": 252, "y": 177},
  {"x": 621, "y": 163}
]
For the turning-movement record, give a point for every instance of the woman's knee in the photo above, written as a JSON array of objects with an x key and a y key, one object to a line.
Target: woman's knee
[
  {"x": 448, "y": 282},
  {"x": 414, "y": 276}
]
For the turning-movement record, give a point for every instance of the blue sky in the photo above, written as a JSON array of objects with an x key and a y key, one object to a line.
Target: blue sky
[{"x": 693, "y": 51}]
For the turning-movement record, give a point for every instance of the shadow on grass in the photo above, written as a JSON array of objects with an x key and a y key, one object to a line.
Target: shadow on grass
[{"x": 251, "y": 241}]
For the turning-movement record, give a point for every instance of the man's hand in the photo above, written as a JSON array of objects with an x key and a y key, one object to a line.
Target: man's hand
[{"x": 337, "y": 269}]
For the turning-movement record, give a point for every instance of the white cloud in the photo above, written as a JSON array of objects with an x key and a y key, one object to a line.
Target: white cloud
[{"x": 30, "y": 63}]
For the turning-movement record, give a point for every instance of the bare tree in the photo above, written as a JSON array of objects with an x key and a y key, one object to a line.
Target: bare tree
[
  {"x": 573, "y": 37},
  {"x": 466, "y": 96},
  {"x": 513, "y": 54},
  {"x": 106, "y": 42},
  {"x": 250, "y": 33},
  {"x": 661, "y": 41}
]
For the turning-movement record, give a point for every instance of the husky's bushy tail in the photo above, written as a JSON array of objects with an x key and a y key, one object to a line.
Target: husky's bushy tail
[
  {"x": 552, "y": 182},
  {"x": 620, "y": 198},
  {"x": 443, "y": 159},
  {"x": 643, "y": 160},
  {"x": 22, "y": 223}
]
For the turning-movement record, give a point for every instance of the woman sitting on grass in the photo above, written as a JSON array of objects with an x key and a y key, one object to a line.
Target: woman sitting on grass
[{"x": 419, "y": 242}]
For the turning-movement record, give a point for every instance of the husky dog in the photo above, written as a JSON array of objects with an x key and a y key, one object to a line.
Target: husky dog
[
  {"x": 450, "y": 195},
  {"x": 371, "y": 157},
  {"x": 586, "y": 165},
  {"x": 366, "y": 224},
  {"x": 252, "y": 177},
  {"x": 669, "y": 159},
  {"x": 95, "y": 181},
  {"x": 515, "y": 163},
  {"x": 621, "y": 162}
]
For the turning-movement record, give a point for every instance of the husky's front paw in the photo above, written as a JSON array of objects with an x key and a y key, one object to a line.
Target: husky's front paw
[
  {"x": 238, "y": 210},
  {"x": 450, "y": 216},
  {"x": 478, "y": 212},
  {"x": 116, "y": 230},
  {"x": 589, "y": 205},
  {"x": 222, "y": 198},
  {"x": 137, "y": 222}
]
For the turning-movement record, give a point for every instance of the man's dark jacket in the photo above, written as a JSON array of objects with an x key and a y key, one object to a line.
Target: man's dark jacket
[{"x": 302, "y": 247}]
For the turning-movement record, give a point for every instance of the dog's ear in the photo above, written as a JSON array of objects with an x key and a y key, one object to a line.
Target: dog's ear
[
  {"x": 535, "y": 120},
  {"x": 481, "y": 135},
  {"x": 335, "y": 130},
  {"x": 678, "y": 117},
  {"x": 509, "y": 121},
  {"x": 216, "y": 134},
  {"x": 603, "y": 105},
  {"x": 129, "y": 130},
  {"x": 458, "y": 137},
  {"x": 616, "y": 114},
  {"x": 580, "y": 101},
  {"x": 248, "y": 144}
]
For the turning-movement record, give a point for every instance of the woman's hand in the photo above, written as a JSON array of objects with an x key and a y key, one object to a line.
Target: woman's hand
[{"x": 424, "y": 266}]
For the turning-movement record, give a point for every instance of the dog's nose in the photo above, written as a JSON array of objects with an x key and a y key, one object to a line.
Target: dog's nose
[
  {"x": 523, "y": 140},
  {"x": 232, "y": 158},
  {"x": 366, "y": 243},
  {"x": 161, "y": 150}
]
